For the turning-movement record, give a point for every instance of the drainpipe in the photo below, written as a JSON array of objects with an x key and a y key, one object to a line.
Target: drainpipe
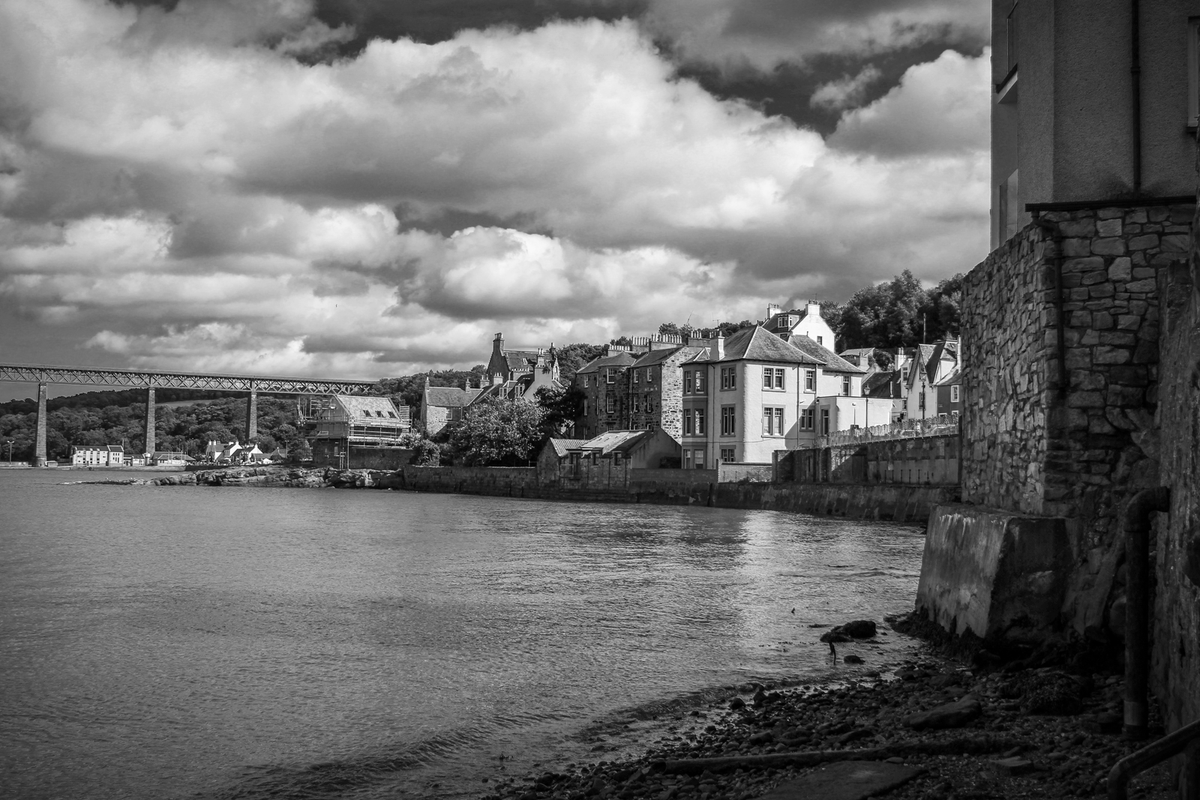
[
  {"x": 1135, "y": 71},
  {"x": 1060, "y": 326},
  {"x": 1137, "y": 603}
]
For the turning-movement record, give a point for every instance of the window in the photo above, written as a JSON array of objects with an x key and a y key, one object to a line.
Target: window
[
  {"x": 392, "y": 414},
  {"x": 808, "y": 418},
  {"x": 953, "y": 394},
  {"x": 846, "y": 385},
  {"x": 366, "y": 413},
  {"x": 699, "y": 381},
  {"x": 585, "y": 406},
  {"x": 772, "y": 421},
  {"x": 699, "y": 414},
  {"x": 728, "y": 377},
  {"x": 728, "y": 455},
  {"x": 687, "y": 458},
  {"x": 824, "y": 421},
  {"x": 636, "y": 404},
  {"x": 609, "y": 404},
  {"x": 649, "y": 374},
  {"x": 728, "y": 421},
  {"x": 698, "y": 460},
  {"x": 609, "y": 377},
  {"x": 636, "y": 374},
  {"x": 648, "y": 404},
  {"x": 810, "y": 380},
  {"x": 921, "y": 401},
  {"x": 820, "y": 340},
  {"x": 687, "y": 422},
  {"x": 772, "y": 378},
  {"x": 687, "y": 382}
]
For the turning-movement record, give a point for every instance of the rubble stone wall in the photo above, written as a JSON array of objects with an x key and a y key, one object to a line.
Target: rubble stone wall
[
  {"x": 1076, "y": 448},
  {"x": 1176, "y": 629}
]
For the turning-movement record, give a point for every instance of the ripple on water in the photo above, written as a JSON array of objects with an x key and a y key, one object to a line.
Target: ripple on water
[{"x": 165, "y": 642}]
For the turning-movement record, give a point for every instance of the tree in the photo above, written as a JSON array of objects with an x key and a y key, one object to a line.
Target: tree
[
  {"x": 561, "y": 406},
  {"x": 497, "y": 432},
  {"x": 671, "y": 328},
  {"x": 573, "y": 357},
  {"x": 300, "y": 452}
]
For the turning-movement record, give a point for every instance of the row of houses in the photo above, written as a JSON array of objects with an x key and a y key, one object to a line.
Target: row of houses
[
  {"x": 764, "y": 389},
  {"x": 114, "y": 455}
]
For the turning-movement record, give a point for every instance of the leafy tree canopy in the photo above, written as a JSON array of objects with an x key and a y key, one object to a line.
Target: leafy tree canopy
[{"x": 497, "y": 432}]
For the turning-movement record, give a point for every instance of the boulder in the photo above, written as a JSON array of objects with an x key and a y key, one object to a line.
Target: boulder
[
  {"x": 949, "y": 715},
  {"x": 858, "y": 629}
]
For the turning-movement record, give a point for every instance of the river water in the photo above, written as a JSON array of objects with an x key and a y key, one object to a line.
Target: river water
[{"x": 196, "y": 642}]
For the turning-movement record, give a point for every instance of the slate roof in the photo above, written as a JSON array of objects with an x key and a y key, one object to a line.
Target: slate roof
[
  {"x": 832, "y": 361},
  {"x": 880, "y": 382},
  {"x": 615, "y": 441},
  {"x": 655, "y": 357},
  {"x": 561, "y": 446},
  {"x": 449, "y": 396},
  {"x": 954, "y": 377},
  {"x": 377, "y": 409},
  {"x": 520, "y": 360},
  {"x": 759, "y": 344},
  {"x": 618, "y": 359}
]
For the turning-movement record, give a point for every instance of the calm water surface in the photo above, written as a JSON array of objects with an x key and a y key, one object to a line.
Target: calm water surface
[{"x": 253, "y": 643}]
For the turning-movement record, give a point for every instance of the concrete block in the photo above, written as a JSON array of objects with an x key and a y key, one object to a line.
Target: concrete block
[{"x": 986, "y": 570}]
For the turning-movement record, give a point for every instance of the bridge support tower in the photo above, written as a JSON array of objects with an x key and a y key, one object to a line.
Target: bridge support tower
[
  {"x": 252, "y": 415},
  {"x": 150, "y": 445},
  {"x": 39, "y": 445}
]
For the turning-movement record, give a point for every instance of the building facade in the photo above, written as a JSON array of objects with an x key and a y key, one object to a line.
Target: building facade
[{"x": 105, "y": 455}]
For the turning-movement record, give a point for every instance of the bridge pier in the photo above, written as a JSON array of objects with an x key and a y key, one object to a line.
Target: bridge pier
[
  {"x": 39, "y": 446},
  {"x": 148, "y": 449},
  {"x": 252, "y": 415}
]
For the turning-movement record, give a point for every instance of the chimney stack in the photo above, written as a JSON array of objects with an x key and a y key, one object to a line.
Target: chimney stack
[
  {"x": 772, "y": 310},
  {"x": 812, "y": 309}
]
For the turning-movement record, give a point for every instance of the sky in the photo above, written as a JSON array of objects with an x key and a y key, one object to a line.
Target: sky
[{"x": 369, "y": 188}]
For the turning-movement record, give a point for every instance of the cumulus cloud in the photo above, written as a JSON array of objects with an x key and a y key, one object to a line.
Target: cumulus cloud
[
  {"x": 944, "y": 92},
  {"x": 181, "y": 191},
  {"x": 761, "y": 34},
  {"x": 846, "y": 92}
]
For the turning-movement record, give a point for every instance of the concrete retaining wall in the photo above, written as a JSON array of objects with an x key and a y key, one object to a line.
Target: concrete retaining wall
[{"x": 995, "y": 573}]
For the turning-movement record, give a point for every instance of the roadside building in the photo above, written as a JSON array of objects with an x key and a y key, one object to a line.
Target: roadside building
[
  {"x": 441, "y": 405},
  {"x": 933, "y": 363},
  {"x": 602, "y": 382},
  {"x": 355, "y": 432},
  {"x": 105, "y": 455},
  {"x": 790, "y": 324}
]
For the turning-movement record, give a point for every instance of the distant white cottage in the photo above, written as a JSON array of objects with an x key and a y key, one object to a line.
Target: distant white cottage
[{"x": 107, "y": 455}]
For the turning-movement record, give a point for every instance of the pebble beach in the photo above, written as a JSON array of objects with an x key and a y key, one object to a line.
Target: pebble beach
[{"x": 952, "y": 727}]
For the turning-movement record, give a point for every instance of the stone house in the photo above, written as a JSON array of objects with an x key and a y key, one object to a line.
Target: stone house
[
  {"x": 528, "y": 369},
  {"x": 602, "y": 382},
  {"x": 605, "y": 461},
  {"x": 351, "y": 431},
  {"x": 441, "y": 405}
]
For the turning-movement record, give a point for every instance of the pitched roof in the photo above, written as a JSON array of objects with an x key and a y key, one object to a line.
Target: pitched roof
[
  {"x": 449, "y": 396},
  {"x": 615, "y": 441},
  {"x": 878, "y": 382},
  {"x": 520, "y": 359},
  {"x": 561, "y": 446},
  {"x": 759, "y": 344},
  {"x": 832, "y": 361},
  {"x": 954, "y": 377},
  {"x": 356, "y": 405},
  {"x": 618, "y": 359},
  {"x": 659, "y": 356}
]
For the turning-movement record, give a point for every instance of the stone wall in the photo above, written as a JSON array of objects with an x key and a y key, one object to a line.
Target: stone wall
[
  {"x": 1004, "y": 376},
  {"x": 1176, "y": 629},
  {"x": 855, "y": 501},
  {"x": 503, "y": 481},
  {"x": 333, "y": 453},
  {"x": 917, "y": 461},
  {"x": 1060, "y": 333}
]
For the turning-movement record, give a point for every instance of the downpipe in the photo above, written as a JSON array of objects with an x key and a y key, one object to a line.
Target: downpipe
[{"x": 1138, "y": 522}]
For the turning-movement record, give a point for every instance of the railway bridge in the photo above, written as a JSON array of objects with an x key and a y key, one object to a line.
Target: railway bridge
[{"x": 44, "y": 375}]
